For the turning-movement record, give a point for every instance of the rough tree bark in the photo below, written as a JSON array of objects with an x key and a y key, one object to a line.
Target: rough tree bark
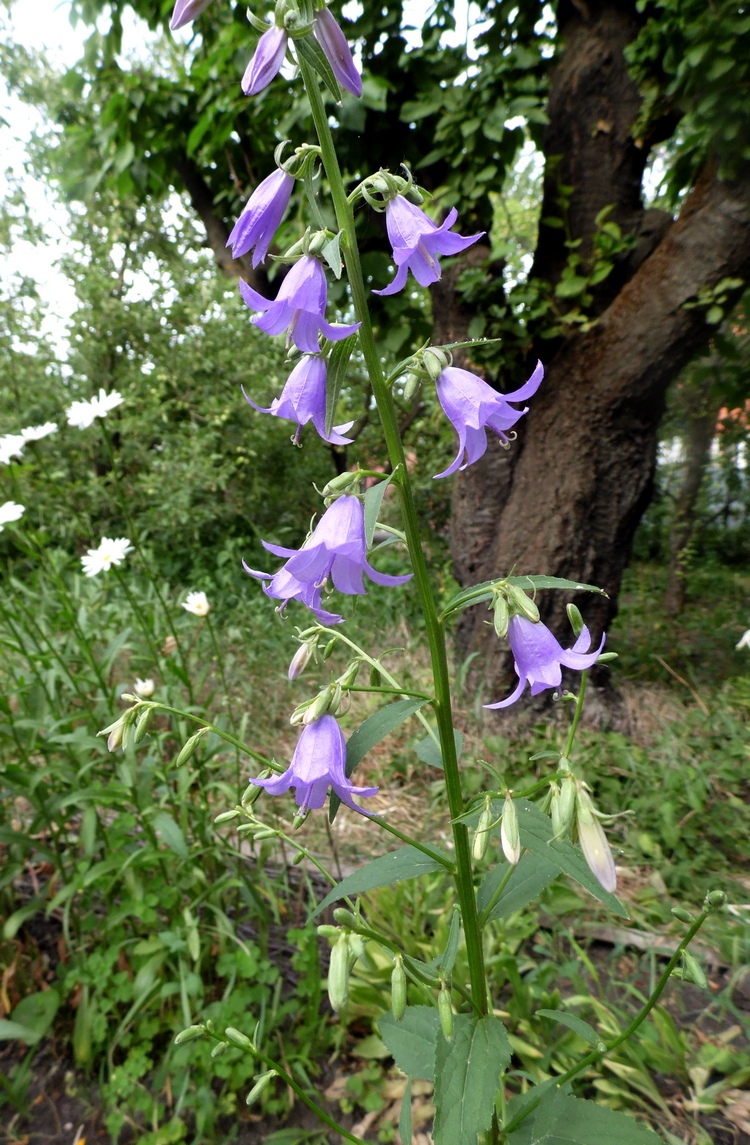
[{"x": 567, "y": 498}]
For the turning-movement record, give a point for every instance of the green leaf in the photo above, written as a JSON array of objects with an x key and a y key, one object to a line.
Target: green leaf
[
  {"x": 533, "y": 873},
  {"x": 536, "y": 836},
  {"x": 429, "y": 752},
  {"x": 373, "y": 500},
  {"x": 405, "y": 863},
  {"x": 338, "y": 364},
  {"x": 32, "y": 1017},
  {"x": 404, "y": 1120},
  {"x": 479, "y": 593},
  {"x": 448, "y": 960},
  {"x": 583, "y": 1029},
  {"x": 332, "y": 254},
  {"x": 560, "y": 1119},
  {"x": 411, "y": 1041},
  {"x": 310, "y": 51},
  {"x": 467, "y": 1076},
  {"x": 15, "y": 1032},
  {"x": 171, "y": 834},
  {"x": 15, "y": 921}
]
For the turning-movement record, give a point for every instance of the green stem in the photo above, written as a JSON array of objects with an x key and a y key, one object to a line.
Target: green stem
[
  {"x": 393, "y": 692},
  {"x": 138, "y": 617},
  {"x": 269, "y": 763},
  {"x": 484, "y": 916},
  {"x": 597, "y": 1054},
  {"x": 435, "y": 635},
  {"x": 576, "y": 716}
]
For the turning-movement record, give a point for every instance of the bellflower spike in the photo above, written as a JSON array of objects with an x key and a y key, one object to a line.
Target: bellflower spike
[
  {"x": 538, "y": 657},
  {"x": 336, "y": 47},
  {"x": 337, "y": 548},
  {"x": 318, "y": 763},
  {"x": 267, "y": 61},
  {"x": 417, "y": 242},
  {"x": 185, "y": 11},
  {"x": 473, "y": 407},
  {"x": 303, "y": 399},
  {"x": 261, "y": 217},
  {"x": 298, "y": 308}
]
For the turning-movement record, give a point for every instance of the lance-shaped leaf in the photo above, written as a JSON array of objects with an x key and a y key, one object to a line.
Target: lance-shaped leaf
[
  {"x": 338, "y": 364},
  {"x": 560, "y": 1119},
  {"x": 405, "y": 863},
  {"x": 479, "y": 593},
  {"x": 411, "y": 1041}
]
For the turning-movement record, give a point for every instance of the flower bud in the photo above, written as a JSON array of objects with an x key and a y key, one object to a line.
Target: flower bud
[
  {"x": 237, "y": 1038},
  {"x": 329, "y": 648},
  {"x": 596, "y": 849},
  {"x": 398, "y": 988},
  {"x": 567, "y": 802},
  {"x": 523, "y": 603},
  {"x": 575, "y": 618},
  {"x": 299, "y": 713},
  {"x": 501, "y": 616},
  {"x": 682, "y": 914},
  {"x": 262, "y": 1083},
  {"x": 189, "y": 747},
  {"x": 715, "y": 900},
  {"x": 227, "y": 816},
  {"x": 319, "y": 706},
  {"x": 325, "y": 930},
  {"x": 189, "y": 1034},
  {"x": 253, "y": 791},
  {"x": 482, "y": 836},
  {"x": 219, "y": 1049},
  {"x": 445, "y": 1010},
  {"x": 554, "y": 810},
  {"x": 376, "y": 679},
  {"x": 693, "y": 971},
  {"x": 509, "y": 834},
  {"x": 141, "y": 726},
  {"x": 114, "y": 740},
  {"x": 358, "y": 949},
  {"x": 435, "y": 361},
  {"x": 345, "y": 917},
  {"x": 338, "y": 973},
  {"x": 301, "y": 659},
  {"x": 341, "y": 483},
  {"x": 412, "y": 382},
  {"x": 349, "y": 675}
]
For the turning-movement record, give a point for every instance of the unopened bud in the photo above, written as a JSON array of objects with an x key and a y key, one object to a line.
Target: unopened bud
[
  {"x": 299, "y": 858},
  {"x": 253, "y": 791},
  {"x": 142, "y": 723},
  {"x": 227, "y": 816},
  {"x": 340, "y": 483},
  {"x": 554, "y": 810},
  {"x": 189, "y": 747},
  {"x": 501, "y": 615},
  {"x": 298, "y": 820},
  {"x": 412, "y": 382},
  {"x": 114, "y": 740},
  {"x": 523, "y": 603},
  {"x": 509, "y": 834},
  {"x": 219, "y": 1049},
  {"x": 331, "y": 933},
  {"x": 482, "y": 836},
  {"x": 189, "y": 1034},
  {"x": 693, "y": 970},
  {"x": 264, "y": 832},
  {"x": 575, "y": 618},
  {"x": 338, "y": 973},
  {"x": 568, "y": 795},
  {"x": 262, "y": 1083},
  {"x": 349, "y": 675},
  {"x": 715, "y": 900},
  {"x": 358, "y": 948},
  {"x": 319, "y": 706},
  {"x": 445, "y": 1010},
  {"x": 237, "y": 1038},
  {"x": 301, "y": 659},
  {"x": 375, "y": 678},
  {"x": 346, "y": 917},
  {"x": 398, "y": 988},
  {"x": 435, "y": 361},
  {"x": 329, "y": 648},
  {"x": 299, "y": 713},
  {"x": 682, "y": 914},
  {"x": 596, "y": 850}
]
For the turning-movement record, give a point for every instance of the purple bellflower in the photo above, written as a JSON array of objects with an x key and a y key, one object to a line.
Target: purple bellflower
[
  {"x": 267, "y": 61},
  {"x": 299, "y": 307},
  {"x": 318, "y": 763},
  {"x": 336, "y": 47},
  {"x": 185, "y": 11},
  {"x": 538, "y": 657},
  {"x": 303, "y": 399},
  {"x": 417, "y": 242},
  {"x": 472, "y": 407},
  {"x": 337, "y": 548},
  {"x": 261, "y": 217}
]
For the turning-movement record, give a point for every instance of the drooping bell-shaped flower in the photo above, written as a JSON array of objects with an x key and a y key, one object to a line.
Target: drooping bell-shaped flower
[
  {"x": 417, "y": 242},
  {"x": 539, "y": 657},
  {"x": 186, "y": 11},
  {"x": 298, "y": 307},
  {"x": 594, "y": 843},
  {"x": 319, "y": 762},
  {"x": 303, "y": 399},
  {"x": 473, "y": 407},
  {"x": 261, "y": 217},
  {"x": 337, "y": 548},
  {"x": 336, "y": 47},
  {"x": 267, "y": 61}
]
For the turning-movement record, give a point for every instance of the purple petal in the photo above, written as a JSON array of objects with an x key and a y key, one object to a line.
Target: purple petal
[
  {"x": 528, "y": 389},
  {"x": 398, "y": 283},
  {"x": 386, "y": 579},
  {"x": 185, "y": 11},
  {"x": 267, "y": 61},
  {"x": 511, "y": 699},
  {"x": 334, "y": 43},
  {"x": 338, "y": 333},
  {"x": 261, "y": 217},
  {"x": 252, "y": 299}
]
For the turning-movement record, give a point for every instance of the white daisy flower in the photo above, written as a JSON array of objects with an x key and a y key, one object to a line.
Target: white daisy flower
[
  {"x": 82, "y": 414},
  {"x": 11, "y": 445},
  {"x": 37, "y": 432},
  {"x": 197, "y": 603},
  {"x": 10, "y": 511},
  {"x": 144, "y": 688},
  {"x": 110, "y": 552},
  {"x": 744, "y": 641}
]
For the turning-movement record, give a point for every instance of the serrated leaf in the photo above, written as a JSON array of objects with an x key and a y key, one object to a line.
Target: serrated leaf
[
  {"x": 573, "y": 1022},
  {"x": 411, "y": 1041},
  {"x": 171, "y": 834},
  {"x": 405, "y": 863},
  {"x": 338, "y": 364},
  {"x": 532, "y": 875},
  {"x": 467, "y": 1076},
  {"x": 429, "y": 752},
  {"x": 376, "y": 727},
  {"x": 560, "y": 1119}
]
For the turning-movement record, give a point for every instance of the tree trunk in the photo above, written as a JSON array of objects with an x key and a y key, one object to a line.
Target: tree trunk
[
  {"x": 217, "y": 232},
  {"x": 700, "y": 433},
  {"x": 575, "y": 489}
]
